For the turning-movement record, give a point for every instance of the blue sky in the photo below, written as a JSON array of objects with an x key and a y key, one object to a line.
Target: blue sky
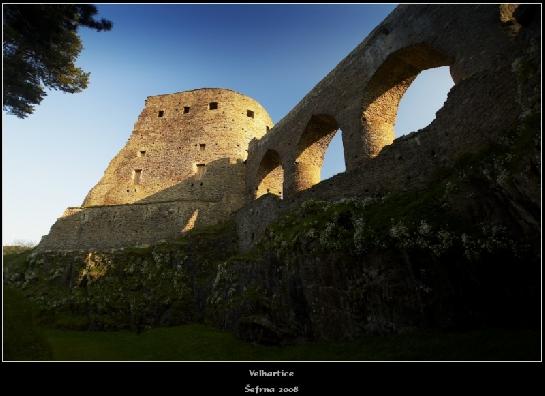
[{"x": 273, "y": 53}]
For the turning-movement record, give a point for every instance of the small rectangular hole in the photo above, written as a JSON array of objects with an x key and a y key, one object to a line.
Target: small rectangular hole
[
  {"x": 161, "y": 113},
  {"x": 142, "y": 153},
  {"x": 213, "y": 106},
  {"x": 186, "y": 109},
  {"x": 200, "y": 170},
  {"x": 137, "y": 176},
  {"x": 250, "y": 113},
  {"x": 202, "y": 146}
]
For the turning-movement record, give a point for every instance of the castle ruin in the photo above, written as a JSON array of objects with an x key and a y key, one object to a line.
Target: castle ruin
[
  {"x": 200, "y": 157},
  {"x": 182, "y": 167},
  {"x": 439, "y": 228}
]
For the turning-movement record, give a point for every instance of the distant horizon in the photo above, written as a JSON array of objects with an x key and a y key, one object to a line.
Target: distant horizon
[{"x": 274, "y": 54}]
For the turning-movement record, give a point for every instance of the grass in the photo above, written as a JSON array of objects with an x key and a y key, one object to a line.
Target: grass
[
  {"x": 199, "y": 342},
  {"x": 22, "y": 339}
]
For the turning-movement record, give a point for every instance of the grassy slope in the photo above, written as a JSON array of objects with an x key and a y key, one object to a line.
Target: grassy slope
[
  {"x": 22, "y": 339},
  {"x": 198, "y": 342}
]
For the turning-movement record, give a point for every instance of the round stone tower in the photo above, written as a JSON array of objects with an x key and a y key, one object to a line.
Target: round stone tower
[
  {"x": 188, "y": 146},
  {"x": 183, "y": 167}
]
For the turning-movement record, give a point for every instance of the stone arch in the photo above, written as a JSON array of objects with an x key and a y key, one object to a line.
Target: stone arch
[
  {"x": 310, "y": 151},
  {"x": 426, "y": 95},
  {"x": 385, "y": 89},
  {"x": 270, "y": 175}
]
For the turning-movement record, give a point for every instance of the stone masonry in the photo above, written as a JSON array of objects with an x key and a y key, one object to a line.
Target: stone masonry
[
  {"x": 187, "y": 164},
  {"x": 182, "y": 167},
  {"x": 179, "y": 142},
  {"x": 360, "y": 98}
]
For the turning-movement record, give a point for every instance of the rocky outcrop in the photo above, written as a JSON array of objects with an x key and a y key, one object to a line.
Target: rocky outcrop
[
  {"x": 163, "y": 284},
  {"x": 462, "y": 253}
]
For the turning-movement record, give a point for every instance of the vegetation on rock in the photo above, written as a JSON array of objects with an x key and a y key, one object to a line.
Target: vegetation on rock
[{"x": 131, "y": 288}]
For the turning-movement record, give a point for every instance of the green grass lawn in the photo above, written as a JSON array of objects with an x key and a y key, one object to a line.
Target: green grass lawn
[
  {"x": 23, "y": 339},
  {"x": 198, "y": 342}
]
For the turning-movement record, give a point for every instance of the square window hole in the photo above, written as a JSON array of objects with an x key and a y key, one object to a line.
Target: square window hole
[
  {"x": 202, "y": 146},
  {"x": 250, "y": 113},
  {"x": 142, "y": 153},
  {"x": 186, "y": 109},
  {"x": 213, "y": 106},
  {"x": 161, "y": 113}
]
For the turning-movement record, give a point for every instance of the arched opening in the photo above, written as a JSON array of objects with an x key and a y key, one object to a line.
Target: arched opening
[
  {"x": 311, "y": 150},
  {"x": 333, "y": 158},
  {"x": 386, "y": 88},
  {"x": 270, "y": 175},
  {"x": 420, "y": 103}
]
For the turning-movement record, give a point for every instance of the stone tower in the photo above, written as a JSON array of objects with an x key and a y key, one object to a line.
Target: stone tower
[
  {"x": 189, "y": 145},
  {"x": 182, "y": 167}
]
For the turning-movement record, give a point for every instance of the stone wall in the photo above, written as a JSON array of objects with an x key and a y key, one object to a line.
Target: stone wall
[
  {"x": 215, "y": 151},
  {"x": 361, "y": 95},
  {"x": 182, "y": 167},
  {"x": 481, "y": 109},
  {"x": 177, "y": 139},
  {"x": 253, "y": 219},
  {"x": 115, "y": 226}
]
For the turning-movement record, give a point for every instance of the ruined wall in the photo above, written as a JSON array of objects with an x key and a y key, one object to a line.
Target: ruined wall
[
  {"x": 182, "y": 167},
  {"x": 116, "y": 226},
  {"x": 361, "y": 96},
  {"x": 413, "y": 160},
  {"x": 209, "y": 147},
  {"x": 252, "y": 220}
]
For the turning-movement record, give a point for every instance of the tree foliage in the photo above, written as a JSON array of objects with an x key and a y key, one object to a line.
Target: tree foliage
[{"x": 40, "y": 48}]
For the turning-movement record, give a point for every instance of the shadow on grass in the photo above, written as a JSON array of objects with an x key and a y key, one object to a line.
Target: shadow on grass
[
  {"x": 22, "y": 339},
  {"x": 199, "y": 342}
]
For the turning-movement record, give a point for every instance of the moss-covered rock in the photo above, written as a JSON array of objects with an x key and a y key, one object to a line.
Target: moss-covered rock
[
  {"x": 138, "y": 287},
  {"x": 463, "y": 252}
]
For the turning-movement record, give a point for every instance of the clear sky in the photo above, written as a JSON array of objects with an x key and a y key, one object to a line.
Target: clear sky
[{"x": 273, "y": 53}]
